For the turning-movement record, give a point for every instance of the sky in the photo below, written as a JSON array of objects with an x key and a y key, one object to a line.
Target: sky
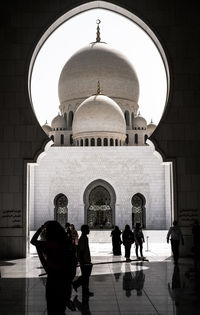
[{"x": 118, "y": 32}]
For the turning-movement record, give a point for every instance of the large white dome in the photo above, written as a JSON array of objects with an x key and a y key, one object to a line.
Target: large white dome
[
  {"x": 98, "y": 62},
  {"x": 99, "y": 115}
]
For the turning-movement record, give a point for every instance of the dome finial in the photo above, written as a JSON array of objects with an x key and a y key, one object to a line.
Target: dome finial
[
  {"x": 98, "y": 88},
  {"x": 98, "y": 38}
]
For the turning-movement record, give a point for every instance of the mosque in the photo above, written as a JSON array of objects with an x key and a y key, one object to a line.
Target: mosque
[{"x": 100, "y": 169}]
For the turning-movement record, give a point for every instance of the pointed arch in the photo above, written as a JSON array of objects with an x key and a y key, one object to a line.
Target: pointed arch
[
  {"x": 99, "y": 202},
  {"x": 138, "y": 202},
  {"x": 60, "y": 209}
]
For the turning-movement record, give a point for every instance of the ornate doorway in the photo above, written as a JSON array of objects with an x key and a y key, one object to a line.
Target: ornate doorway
[
  {"x": 99, "y": 200},
  {"x": 61, "y": 210},
  {"x": 138, "y": 210}
]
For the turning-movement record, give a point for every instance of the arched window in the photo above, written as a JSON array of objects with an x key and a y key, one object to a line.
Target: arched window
[
  {"x": 70, "y": 120},
  {"x": 127, "y": 139},
  {"x": 99, "y": 142},
  {"x": 61, "y": 139},
  {"x": 145, "y": 138},
  {"x": 86, "y": 142},
  {"x": 136, "y": 138},
  {"x": 127, "y": 119},
  {"x": 92, "y": 142},
  {"x": 120, "y": 142},
  {"x": 71, "y": 140},
  {"x": 52, "y": 138},
  {"x": 116, "y": 142},
  {"x": 81, "y": 142},
  {"x": 60, "y": 209},
  {"x": 77, "y": 143},
  {"x": 132, "y": 120},
  {"x": 105, "y": 142},
  {"x": 111, "y": 142},
  {"x": 138, "y": 210}
]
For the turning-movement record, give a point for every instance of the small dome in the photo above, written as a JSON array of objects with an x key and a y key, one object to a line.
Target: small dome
[
  {"x": 58, "y": 122},
  {"x": 151, "y": 127},
  {"x": 98, "y": 115},
  {"x": 98, "y": 61},
  {"x": 140, "y": 122},
  {"x": 47, "y": 128}
]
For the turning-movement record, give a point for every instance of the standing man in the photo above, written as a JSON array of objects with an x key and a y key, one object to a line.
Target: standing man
[
  {"x": 175, "y": 236},
  {"x": 128, "y": 240},
  {"x": 139, "y": 240},
  {"x": 84, "y": 258}
]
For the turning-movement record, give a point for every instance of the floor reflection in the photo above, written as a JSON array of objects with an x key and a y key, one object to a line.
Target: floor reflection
[
  {"x": 82, "y": 306},
  {"x": 133, "y": 280},
  {"x": 184, "y": 290},
  {"x": 119, "y": 288}
]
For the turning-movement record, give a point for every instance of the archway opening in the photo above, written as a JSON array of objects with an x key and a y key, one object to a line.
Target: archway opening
[
  {"x": 61, "y": 210},
  {"x": 138, "y": 210},
  {"x": 107, "y": 221},
  {"x": 99, "y": 203},
  {"x": 133, "y": 36}
]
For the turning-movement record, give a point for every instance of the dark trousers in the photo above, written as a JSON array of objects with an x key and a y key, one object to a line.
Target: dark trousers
[
  {"x": 127, "y": 250},
  {"x": 138, "y": 245},
  {"x": 58, "y": 292},
  {"x": 83, "y": 280},
  {"x": 175, "y": 249}
]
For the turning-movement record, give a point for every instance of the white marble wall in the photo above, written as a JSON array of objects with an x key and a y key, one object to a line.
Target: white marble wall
[{"x": 129, "y": 170}]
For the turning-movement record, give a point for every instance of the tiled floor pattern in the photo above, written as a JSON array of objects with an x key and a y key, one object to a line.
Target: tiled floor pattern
[{"x": 141, "y": 288}]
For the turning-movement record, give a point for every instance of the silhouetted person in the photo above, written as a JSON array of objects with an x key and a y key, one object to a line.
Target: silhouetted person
[
  {"x": 68, "y": 231},
  {"x": 128, "y": 240},
  {"x": 176, "y": 237},
  {"x": 139, "y": 240},
  {"x": 116, "y": 241},
  {"x": 74, "y": 235},
  {"x": 59, "y": 261},
  {"x": 83, "y": 256}
]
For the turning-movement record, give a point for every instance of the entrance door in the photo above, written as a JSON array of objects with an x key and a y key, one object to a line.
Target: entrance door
[
  {"x": 61, "y": 210},
  {"x": 138, "y": 210},
  {"x": 99, "y": 214}
]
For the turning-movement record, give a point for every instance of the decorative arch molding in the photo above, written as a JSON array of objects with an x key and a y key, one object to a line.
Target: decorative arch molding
[{"x": 109, "y": 218}]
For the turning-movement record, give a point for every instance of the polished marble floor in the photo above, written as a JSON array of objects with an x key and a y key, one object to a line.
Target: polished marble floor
[{"x": 151, "y": 287}]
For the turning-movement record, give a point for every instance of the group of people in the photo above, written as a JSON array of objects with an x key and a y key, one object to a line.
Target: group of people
[
  {"x": 127, "y": 238},
  {"x": 60, "y": 251}
]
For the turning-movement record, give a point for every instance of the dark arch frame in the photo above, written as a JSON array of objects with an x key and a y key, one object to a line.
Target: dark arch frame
[
  {"x": 64, "y": 15},
  {"x": 108, "y": 187},
  {"x": 137, "y": 19}
]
